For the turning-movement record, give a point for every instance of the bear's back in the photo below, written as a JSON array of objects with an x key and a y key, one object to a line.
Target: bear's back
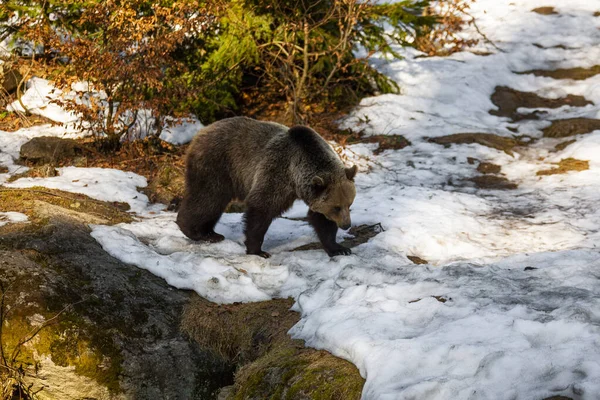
[{"x": 313, "y": 148}]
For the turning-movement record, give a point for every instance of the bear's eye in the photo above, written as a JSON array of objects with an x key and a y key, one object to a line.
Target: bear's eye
[{"x": 337, "y": 209}]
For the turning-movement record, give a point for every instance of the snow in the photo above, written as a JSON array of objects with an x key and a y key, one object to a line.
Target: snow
[
  {"x": 11, "y": 142},
  {"x": 41, "y": 96},
  {"x": 182, "y": 132},
  {"x": 175, "y": 131},
  {"x": 507, "y": 306},
  {"x": 99, "y": 183},
  {"x": 9, "y": 217},
  {"x": 38, "y": 99}
]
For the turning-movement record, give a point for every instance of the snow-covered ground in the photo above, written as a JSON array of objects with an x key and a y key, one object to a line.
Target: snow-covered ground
[
  {"x": 508, "y": 306},
  {"x": 9, "y": 217}
]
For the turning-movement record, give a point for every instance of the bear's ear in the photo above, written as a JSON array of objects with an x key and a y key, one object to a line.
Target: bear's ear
[
  {"x": 351, "y": 172},
  {"x": 318, "y": 182}
]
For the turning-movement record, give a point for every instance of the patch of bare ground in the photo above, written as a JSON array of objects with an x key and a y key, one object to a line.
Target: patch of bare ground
[
  {"x": 509, "y": 100},
  {"x": 571, "y": 127},
  {"x": 327, "y": 126},
  {"x": 253, "y": 337},
  {"x": 162, "y": 163},
  {"x": 488, "y": 168},
  {"x": 544, "y": 10},
  {"x": 498, "y": 142},
  {"x": 577, "y": 73},
  {"x": 360, "y": 234},
  {"x": 11, "y": 122},
  {"x": 417, "y": 260},
  {"x": 564, "y": 145},
  {"x": 493, "y": 182},
  {"x": 39, "y": 203},
  {"x": 558, "y": 46},
  {"x": 387, "y": 142},
  {"x": 481, "y": 53},
  {"x": 566, "y": 165},
  {"x": 441, "y": 299}
]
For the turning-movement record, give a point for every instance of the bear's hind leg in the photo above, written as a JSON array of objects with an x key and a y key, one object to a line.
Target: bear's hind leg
[
  {"x": 198, "y": 215},
  {"x": 326, "y": 231}
]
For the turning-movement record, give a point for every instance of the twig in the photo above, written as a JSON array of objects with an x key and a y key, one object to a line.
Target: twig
[
  {"x": 33, "y": 333},
  {"x": 483, "y": 35}
]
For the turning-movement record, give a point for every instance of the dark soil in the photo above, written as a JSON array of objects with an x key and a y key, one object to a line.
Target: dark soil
[
  {"x": 493, "y": 182},
  {"x": 385, "y": 142},
  {"x": 498, "y": 142},
  {"x": 417, "y": 260},
  {"x": 388, "y": 142},
  {"x": 509, "y": 100},
  {"x": 544, "y": 10},
  {"x": 566, "y": 73},
  {"x": 571, "y": 127},
  {"x": 564, "y": 145},
  {"x": 488, "y": 168}
]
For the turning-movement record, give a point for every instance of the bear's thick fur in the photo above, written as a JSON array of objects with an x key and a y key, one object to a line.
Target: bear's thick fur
[{"x": 269, "y": 166}]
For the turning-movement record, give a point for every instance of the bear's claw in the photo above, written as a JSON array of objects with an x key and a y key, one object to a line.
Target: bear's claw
[
  {"x": 340, "y": 251},
  {"x": 260, "y": 253},
  {"x": 212, "y": 237}
]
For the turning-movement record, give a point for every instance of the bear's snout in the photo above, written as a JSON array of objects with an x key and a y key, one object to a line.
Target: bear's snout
[{"x": 345, "y": 225}]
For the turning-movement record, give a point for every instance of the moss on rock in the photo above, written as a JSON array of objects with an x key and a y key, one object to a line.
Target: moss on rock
[
  {"x": 290, "y": 371},
  {"x": 270, "y": 364},
  {"x": 39, "y": 202}
]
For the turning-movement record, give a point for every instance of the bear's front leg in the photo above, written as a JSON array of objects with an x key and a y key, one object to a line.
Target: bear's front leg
[
  {"x": 257, "y": 224},
  {"x": 326, "y": 231}
]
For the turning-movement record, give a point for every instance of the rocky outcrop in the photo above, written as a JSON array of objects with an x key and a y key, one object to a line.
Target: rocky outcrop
[
  {"x": 270, "y": 365},
  {"x": 110, "y": 329}
]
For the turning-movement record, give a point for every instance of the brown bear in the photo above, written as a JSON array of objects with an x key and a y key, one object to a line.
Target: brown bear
[{"x": 269, "y": 166}]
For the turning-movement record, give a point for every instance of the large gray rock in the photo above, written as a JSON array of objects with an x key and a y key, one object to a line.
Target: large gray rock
[
  {"x": 48, "y": 149},
  {"x": 119, "y": 336}
]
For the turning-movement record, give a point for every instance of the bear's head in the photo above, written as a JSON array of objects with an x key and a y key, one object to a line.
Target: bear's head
[{"x": 335, "y": 196}]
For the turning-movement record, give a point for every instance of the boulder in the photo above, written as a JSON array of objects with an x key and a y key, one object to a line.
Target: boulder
[
  {"x": 48, "y": 149},
  {"x": 110, "y": 331}
]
